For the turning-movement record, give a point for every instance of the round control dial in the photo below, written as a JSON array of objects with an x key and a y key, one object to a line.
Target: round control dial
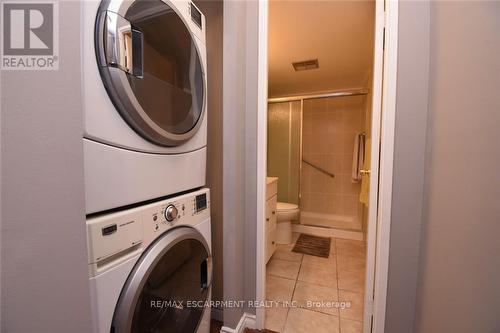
[{"x": 171, "y": 213}]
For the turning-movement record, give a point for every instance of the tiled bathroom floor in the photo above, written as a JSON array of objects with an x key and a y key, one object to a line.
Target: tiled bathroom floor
[{"x": 296, "y": 277}]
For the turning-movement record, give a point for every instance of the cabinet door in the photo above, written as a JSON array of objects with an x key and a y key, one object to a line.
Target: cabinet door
[
  {"x": 273, "y": 210},
  {"x": 271, "y": 220},
  {"x": 270, "y": 243},
  {"x": 271, "y": 214}
]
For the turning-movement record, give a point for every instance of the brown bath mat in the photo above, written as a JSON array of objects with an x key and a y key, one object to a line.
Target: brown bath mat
[{"x": 313, "y": 245}]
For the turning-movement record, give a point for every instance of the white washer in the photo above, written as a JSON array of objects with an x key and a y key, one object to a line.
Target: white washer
[
  {"x": 144, "y": 90},
  {"x": 150, "y": 267}
]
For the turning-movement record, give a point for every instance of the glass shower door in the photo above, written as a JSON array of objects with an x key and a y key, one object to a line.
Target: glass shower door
[
  {"x": 329, "y": 194},
  {"x": 283, "y": 148}
]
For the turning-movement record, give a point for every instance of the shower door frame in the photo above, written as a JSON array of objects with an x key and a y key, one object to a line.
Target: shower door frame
[
  {"x": 384, "y": 114},
  {"x": 295, "y": 98},
  {"x": 290, "y": 100}
]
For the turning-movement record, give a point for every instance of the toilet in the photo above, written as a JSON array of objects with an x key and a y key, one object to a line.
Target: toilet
[{"x": 286, "y": 212}]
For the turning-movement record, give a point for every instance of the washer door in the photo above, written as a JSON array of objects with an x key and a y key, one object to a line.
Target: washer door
[
  {"x": 174, "y": 270},
  {"x": 151, "y": 68}
]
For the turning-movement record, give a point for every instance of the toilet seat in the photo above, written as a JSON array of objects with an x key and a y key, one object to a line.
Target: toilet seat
[
  {"x": 286, "y": 212},
  {"x": 284, "y": 206}
]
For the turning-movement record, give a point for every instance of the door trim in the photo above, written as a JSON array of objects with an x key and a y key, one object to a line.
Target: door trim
[
  {"x": 386, "y": 54},
  {"x": 122, "y": 318},
  {"x": 247, "y": 320},
  {"x": 260, "y": 283}
]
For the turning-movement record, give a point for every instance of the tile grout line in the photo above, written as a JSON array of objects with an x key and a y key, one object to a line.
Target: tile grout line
[
  {"x": 297, "y": 280},
  {"x": 352, "y": 271},
  {"x": 337, "y": 276},
  {"x": 293, "y": 292},
  {"x": 282, "y": 277}
]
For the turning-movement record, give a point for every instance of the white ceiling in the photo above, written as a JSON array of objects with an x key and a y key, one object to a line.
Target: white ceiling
[{"x": 338, "y": 33}]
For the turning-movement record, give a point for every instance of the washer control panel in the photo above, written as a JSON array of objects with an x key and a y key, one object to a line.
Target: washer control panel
[
  {"x": 186, "y": 209},
  {"x": 113, "y": 236}
]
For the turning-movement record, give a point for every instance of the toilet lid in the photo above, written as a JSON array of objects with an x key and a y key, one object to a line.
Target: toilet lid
[{"x": 286, "y": 206}]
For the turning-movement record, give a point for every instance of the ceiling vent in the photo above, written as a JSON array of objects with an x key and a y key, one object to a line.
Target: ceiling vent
[{"x": 305, "y": 65}]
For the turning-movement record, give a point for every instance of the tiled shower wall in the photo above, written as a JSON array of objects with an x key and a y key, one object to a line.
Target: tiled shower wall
[{"x": 329, "y": 128}]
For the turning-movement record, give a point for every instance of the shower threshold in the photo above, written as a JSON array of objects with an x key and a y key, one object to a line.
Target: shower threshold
[
  {"x": 344, "y": 222},
  {"x": 327, "y": 231}
]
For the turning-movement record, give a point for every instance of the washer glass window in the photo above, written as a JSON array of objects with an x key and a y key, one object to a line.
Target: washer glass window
[
  {"x": 175, "y": 271},
  {"x": 175, "y": 280}
]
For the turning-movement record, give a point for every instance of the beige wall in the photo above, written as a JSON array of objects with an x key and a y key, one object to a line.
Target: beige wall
[
  {"x": 240, "y": 71},
  {"x": 459, "y": 281},
  {"x": 44, "y": 274},
  {"x": 212, "y": 10},
  {"x": 409, "y": 159},
  {"x": 444, "y": 266},
  {"x": 329, "y": 128}
]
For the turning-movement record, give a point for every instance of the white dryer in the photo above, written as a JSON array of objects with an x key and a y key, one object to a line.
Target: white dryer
[
  {"x": 150, "y": 267},
  {"x": 144, "y": 90}
]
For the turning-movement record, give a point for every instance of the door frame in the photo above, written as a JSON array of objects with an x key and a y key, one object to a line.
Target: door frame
[
  {"x": 383, "y": 128},
  {"x": 263, "y": 36}
]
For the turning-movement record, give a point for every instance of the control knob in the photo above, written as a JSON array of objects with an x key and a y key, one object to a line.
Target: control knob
[{"x": 171, "y": 213}]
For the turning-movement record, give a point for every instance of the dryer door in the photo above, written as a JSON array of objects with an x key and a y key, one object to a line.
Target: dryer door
[
  {"x": 151, "y": 67},
  {"x": 168, "y": 286}
]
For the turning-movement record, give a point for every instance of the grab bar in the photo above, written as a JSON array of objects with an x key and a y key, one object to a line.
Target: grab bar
[{"x": 318, "y": 168}]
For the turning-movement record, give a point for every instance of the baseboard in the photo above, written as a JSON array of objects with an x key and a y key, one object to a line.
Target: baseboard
[
  {"x": 327, "y": 232},
  {"x": 247, "y": 320}
]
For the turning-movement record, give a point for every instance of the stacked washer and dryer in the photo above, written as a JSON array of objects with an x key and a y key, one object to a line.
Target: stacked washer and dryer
[{"x": 148, "y": 213}]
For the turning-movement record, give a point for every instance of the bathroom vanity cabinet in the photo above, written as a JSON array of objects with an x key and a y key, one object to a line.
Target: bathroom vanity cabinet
[{"x": 271, "y": 216}]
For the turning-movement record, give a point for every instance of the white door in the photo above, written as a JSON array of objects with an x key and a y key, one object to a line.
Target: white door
[{"x": 383, "y": 116}]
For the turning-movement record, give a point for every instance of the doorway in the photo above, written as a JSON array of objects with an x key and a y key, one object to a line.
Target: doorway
[{"x": 374, "y": 241}]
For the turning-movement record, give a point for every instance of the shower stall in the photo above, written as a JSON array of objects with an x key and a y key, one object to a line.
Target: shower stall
[{"x": 311, "y": 150}]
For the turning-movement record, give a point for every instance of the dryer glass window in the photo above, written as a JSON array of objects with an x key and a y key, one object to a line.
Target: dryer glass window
[
  {"x": 170, "y": 89},
  {"x": 180, "y": 276}
]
